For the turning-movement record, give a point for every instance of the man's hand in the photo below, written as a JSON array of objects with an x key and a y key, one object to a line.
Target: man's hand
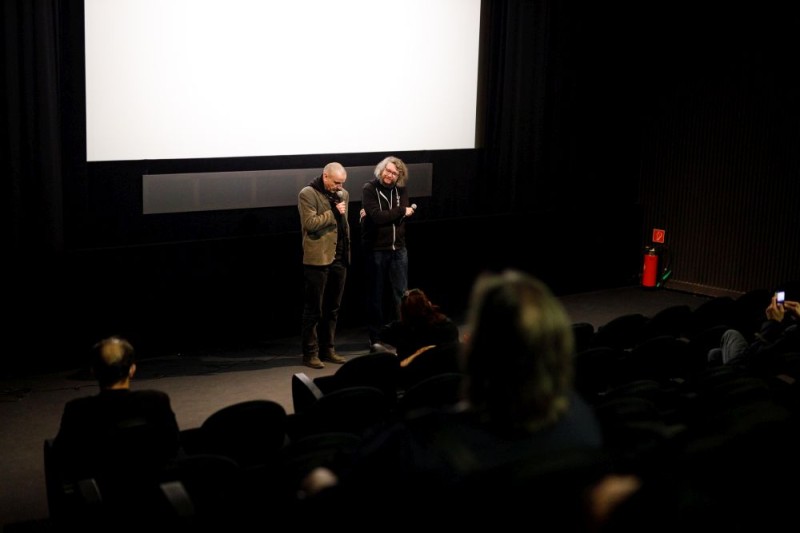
[{"x": 792, "y": 307}]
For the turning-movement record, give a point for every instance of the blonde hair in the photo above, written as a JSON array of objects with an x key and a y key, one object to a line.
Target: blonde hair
[{"x": 518, "y": 357}]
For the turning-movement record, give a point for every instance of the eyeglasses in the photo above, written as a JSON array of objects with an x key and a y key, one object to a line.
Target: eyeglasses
[{"x": 391, "y": 172}]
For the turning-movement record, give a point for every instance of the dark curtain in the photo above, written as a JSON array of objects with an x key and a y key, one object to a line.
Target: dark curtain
[
  {"x": 515, "y": 90},
  {"x": 560, "y": 98},
  {"x": 32, "y": 124},
  {"x": 33, "y": 185},
  {"x": 533, "y": 53}
]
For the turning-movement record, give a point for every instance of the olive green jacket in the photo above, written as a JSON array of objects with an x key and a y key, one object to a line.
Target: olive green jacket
[{"x": 318, "y": 223}]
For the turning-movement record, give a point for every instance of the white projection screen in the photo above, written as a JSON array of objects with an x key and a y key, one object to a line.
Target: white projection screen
[{"x": 175, "y": 79}]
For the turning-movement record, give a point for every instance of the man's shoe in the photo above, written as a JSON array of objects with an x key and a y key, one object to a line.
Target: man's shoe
[
  {"x": 313, "y": 362},
  {"x": 334, "y": 358}
]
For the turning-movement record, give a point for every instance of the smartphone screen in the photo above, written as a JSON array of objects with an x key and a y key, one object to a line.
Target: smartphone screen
[{"x": 780, "y": 296}]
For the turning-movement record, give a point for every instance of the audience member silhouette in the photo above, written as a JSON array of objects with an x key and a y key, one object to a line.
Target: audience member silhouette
[
  {"x": 421, "y": 324},
  {"x": 118, "y": 431}
]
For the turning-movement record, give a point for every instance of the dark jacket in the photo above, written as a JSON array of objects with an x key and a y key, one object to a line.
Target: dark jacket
[
  {"x": 117, "y": 430},
  {"x": 383, "y": 226},
  {"x": 771, "y": 341},
  {"x": 436, "y": 461}
]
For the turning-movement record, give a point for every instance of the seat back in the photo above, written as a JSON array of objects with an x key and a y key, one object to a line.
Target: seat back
[
  {"x": 201, "y": 491},
  {"x": 672, "y": 320},
  {"x": 597, "y": 369},
  {"x": 379, "y": 369},
  {"x": 749, "y": 310},
  {"x": 348, "y": 410},
  {"x": 661, "y": 358},
  {"x": 624, "y": 331},
  {"x": 435, "y": 392},
  {"x": 249, "y": 432},
  {"x": 717, "y": 311},
  {"x": 583, "y": 332}
]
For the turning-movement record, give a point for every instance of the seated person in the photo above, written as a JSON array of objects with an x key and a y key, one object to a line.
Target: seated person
[
  {"x": 780, "y": 331},
  {"x": 420, "y": 325},
  {"x": 118, "y": 430}
]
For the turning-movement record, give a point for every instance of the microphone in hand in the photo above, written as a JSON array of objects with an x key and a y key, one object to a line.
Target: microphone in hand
[
  {"x": 413, "y": 209},
  {"x": 340, "y": 202}
]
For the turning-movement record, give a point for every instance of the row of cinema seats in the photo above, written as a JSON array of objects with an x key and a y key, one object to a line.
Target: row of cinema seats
[
  {"x": 707, "y": 441},
  {"x": 672, "y": 344},
  {"x": 713, "y": 442},
  {"x": 247, "y": 461},
  {"x": 625, "y": 331},
  {"x": 380, "y": 379}
]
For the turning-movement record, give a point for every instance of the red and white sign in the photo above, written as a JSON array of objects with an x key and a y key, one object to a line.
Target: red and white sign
[{"x": 658, "y": 235}]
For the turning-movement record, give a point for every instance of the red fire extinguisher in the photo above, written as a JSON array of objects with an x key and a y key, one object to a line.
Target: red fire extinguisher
[{"x": 650, "y": 269}]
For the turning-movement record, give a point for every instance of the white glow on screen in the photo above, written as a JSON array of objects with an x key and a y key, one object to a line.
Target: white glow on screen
[{"x": 173, "y": 79}]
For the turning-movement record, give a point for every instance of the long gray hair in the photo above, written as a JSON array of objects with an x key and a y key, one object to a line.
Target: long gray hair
[{"x": 402, "y": 170}]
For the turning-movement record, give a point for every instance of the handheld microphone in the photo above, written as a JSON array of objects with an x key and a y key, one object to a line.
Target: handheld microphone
[
  {"x": 413, "y": 208},
  {"x": 340, "y": 207}
]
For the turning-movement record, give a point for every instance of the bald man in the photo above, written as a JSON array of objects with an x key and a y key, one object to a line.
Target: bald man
[
  {"x": 118, "y": 431},
  {"x": 323, "y": 205}
]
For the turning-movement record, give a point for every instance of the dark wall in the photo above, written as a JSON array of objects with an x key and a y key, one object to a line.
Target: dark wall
[
  {"x": 108, "y": 210},
  {"x": 720, "y": 168}
]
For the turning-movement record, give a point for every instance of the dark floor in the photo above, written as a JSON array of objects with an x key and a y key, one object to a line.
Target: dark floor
[{"x": 201, "y": 383}]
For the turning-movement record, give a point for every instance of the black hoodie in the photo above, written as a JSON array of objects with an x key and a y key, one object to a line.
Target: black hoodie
[{"x": 382, "y": 228}]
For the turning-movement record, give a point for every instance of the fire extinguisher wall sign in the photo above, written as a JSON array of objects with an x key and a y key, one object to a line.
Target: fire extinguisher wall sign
[{"x": 650, "y": 268}]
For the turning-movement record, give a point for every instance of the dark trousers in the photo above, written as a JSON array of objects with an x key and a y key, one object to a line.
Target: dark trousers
[
  {"x": 324, "y": 288},
  {"x": 383, "y": 266}
]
